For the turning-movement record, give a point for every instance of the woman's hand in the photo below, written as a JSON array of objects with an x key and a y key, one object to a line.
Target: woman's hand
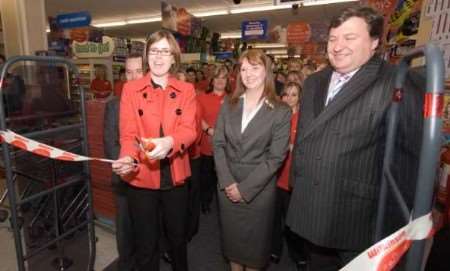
[
  {"x": 124, "y": 165},
  {"x": 233, "y": 193},
  {"x": 162, "y": 147}
]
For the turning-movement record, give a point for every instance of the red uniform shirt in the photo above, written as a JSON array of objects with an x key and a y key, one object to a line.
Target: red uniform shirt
[
  {"x": 202, "y": 86},
  {"x": 118, "y": 86},
  {"x": 143, "y": 111},
  {"x": 210, "y": 104},
  {"x": 283, "y": 177},
  {"x": 102, "y": 88}
]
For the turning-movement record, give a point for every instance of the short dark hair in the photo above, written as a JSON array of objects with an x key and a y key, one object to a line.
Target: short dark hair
[
  {"x": 136, "y": 55},
  {"x": 374, "y": 20}
]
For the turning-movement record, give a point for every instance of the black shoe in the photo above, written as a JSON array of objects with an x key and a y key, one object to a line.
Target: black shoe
[
  {"x": 206, "y": 209},
  {"x": 274, "y": 258},
  {"x": 166, "y": 257},
  {"x": 301, "y": 265}
]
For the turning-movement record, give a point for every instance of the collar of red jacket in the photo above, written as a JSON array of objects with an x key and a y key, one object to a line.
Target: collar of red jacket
[{"x": 172, "y": 82}]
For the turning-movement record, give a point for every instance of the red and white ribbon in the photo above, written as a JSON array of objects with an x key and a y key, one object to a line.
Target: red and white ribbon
[
  {"x": 45, "y": 150},
  {"x": 384, "y": 255}
]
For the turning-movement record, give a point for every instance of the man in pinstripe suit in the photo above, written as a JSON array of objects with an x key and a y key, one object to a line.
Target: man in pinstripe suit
[{"x": 338, "y": 155}]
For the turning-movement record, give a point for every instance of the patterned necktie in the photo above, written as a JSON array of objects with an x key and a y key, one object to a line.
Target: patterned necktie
[{"x": 339, "y": 83}]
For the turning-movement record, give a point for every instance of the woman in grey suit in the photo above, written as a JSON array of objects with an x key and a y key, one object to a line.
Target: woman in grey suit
[{"x": 250, "y": 143}]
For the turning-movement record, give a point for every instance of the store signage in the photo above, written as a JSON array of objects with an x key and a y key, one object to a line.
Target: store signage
[
  {"x": 93, "y": 49},
  {"x": 73, "y": 20},
  {"x": 254, "y": 30},
  {"x": 223, "y": 55},
  {"x": 298, "y": 33},
  {"x": 180, "y": 20}
]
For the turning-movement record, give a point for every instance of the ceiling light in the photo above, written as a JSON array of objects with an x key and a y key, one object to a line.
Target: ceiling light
[
  {"x": 269, "y": 45},
  {"x": 245, "y": 9},
  {"x": 209, "y": 13},
  {"x": 230, "y": 35},
  {"x": 144, "y": 20},
  {"x": 324, "y": 2},
  {"x": 110, "y": 24}
]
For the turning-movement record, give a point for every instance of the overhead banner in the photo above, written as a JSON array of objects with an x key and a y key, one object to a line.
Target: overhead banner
[
  {"x": 254, "y": 30},
  {"x": 180, "y": 20},
  {"x": 73, "y": 20}
]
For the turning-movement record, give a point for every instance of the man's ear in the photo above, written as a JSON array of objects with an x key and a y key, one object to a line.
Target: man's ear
[{"x": 375, "y": 43}]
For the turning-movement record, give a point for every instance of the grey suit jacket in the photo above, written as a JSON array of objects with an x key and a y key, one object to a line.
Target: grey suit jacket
[
  {"x": 111, "y": 137},
  {"x": 253, "y": 157},
  {"x": 338, "y": 156}
]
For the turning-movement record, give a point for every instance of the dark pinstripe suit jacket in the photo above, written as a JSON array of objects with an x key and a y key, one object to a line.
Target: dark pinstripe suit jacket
[
  {"x": 111, "y": 138},
  {"x": 337, "y": 160}
]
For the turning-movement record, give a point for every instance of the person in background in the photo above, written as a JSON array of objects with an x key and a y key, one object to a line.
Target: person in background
[
  {"x": 194, "y": 180},
  {"x": 100, "y": 86},
  {"x": 157, "y": 126},
  {"x": 250, "y": 142},
  {"x": 210, "y": 103},
  {"x": 118, "y": 84},
  {"x": 294, "y": 76},
  {"x": 202, "y": 82},
  {"x": 181, "y": 75},
  {"x": 280, "y": 80},
  {"x": 291, "y": 96},
  {"x": 124, "y": 232},
  {"x": 191, "y": 76},
  {"x": 338, "y": 154}
]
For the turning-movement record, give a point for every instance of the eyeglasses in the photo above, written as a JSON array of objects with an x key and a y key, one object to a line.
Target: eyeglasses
[{"x": 162, "y": 52}]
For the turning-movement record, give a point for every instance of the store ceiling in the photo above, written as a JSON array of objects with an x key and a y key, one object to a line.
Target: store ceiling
[{"x": 111, "y": 10}]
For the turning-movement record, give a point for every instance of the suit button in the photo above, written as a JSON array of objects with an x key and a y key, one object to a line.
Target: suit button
[
  {"x": 173, "y": 95},
  {"x": 145, "y": 95},
  {"x": 178, "y": 111},
  {"x": 182, "y": 147},
  {"x": 140, "y": 112}
]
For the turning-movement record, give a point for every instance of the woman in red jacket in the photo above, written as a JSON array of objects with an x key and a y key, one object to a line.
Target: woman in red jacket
[
  {"x": 291, "y": 95},
  {"x": 160, "y": 110}
]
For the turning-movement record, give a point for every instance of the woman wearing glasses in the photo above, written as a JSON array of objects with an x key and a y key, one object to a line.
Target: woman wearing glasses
[
  {"x": 250, "y": 142},
  {"x": 157, "y": 109}
]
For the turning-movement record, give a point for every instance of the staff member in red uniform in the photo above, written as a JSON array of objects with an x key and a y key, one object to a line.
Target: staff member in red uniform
[
  {"x": 100, "y": 86},
  {"x": 291, "y": 96},
  {"x": 162, "y": 109},
  {"x": 210, "y": 103}
]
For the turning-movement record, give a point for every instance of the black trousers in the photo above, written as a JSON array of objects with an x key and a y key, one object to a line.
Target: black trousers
[
  {"x": 146, "y": 206},
  {"x": 194, "y": 198},
  {"x": 328, "y": 259},
  {"x": 295, "y": 244},
  {"x": 208, "y": 179},
  {"x": 124, "y": 230}
]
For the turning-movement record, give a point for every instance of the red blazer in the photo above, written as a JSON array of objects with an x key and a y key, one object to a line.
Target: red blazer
[
  {"x": 143, "y": 110},
  {"x": 283, "y": 177}
]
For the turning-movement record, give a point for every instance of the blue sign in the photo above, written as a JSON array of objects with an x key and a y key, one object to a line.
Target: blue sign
[
  {"x": 254, "y": 30},
  {"x": 74, "y": 20},
  {"x": 223, "y": 55}
]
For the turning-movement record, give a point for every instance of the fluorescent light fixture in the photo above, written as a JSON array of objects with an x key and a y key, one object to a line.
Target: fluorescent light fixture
[
  {"x": 110, "y": 24},
  {"x": 209, "y": 13},
  {"x": 276, "y": 52},
  {"x": 324, "y": 2},
  {"x": 230, "y": 35},
  {"x": 144, "y": 20},
  {"x": 269, "y": 45},
  {"x": 246, "y": 9}
]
